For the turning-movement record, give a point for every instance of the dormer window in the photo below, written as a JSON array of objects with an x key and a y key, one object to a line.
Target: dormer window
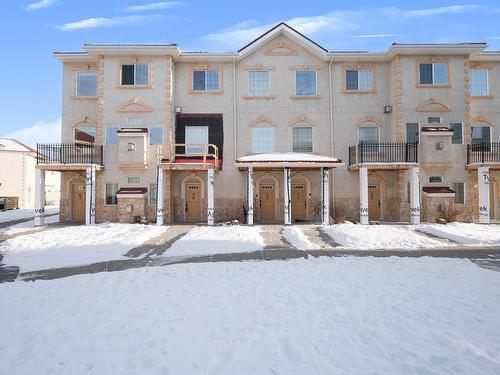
[{"x": 134, "y": 75}]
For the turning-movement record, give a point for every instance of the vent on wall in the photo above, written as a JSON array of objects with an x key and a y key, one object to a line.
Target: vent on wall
[
  {"x": 387, "y": 109},
  {"x": 439, "y": 145}
]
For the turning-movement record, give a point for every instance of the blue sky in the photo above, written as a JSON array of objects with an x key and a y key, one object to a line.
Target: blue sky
[{"x": 30, "y": 97}]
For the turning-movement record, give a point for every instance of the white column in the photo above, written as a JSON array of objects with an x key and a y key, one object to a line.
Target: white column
[
  {"x": 414, "y": 196},
  {"x": 90, "y": 196},
  {"x": 210, "y": 196},
  {"x": 483, "y": 186},
  {"x": 159, "y": 196},
  {"x": 39, "y": 197},
  {"x": 325, "y": 197},
  {"x": 287, "y": 184},
  {"x": 250, "y": 196},
  {"x": 363, "y": 195}
]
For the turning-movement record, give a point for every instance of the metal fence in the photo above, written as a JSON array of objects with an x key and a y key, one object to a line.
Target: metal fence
[{"x": 69, "y": 153}]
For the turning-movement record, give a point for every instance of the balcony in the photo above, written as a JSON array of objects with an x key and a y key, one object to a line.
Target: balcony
[
  {"x": 68, "y": 156},
  {"x": 483, "y": 153},
  {"x": 388, "y": 155},
  {"x": 184, "y": 156}
]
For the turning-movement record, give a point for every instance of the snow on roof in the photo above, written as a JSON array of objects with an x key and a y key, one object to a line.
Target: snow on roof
[
  {"x": 288, "y": 157},
  {"x": 10, "y": 144}
]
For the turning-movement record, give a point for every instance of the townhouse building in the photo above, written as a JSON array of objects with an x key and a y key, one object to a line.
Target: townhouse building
[{"x": 283, "y": 130}]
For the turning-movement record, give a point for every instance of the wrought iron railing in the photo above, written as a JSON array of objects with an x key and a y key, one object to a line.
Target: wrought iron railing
[
  {"x": 69, "y": 153},
  {"x": 383, "y": 152},
  {"x": 483, "y": 152}
]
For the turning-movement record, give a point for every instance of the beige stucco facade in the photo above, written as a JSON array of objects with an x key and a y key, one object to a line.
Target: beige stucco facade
[{"x": 334, "y": 114}]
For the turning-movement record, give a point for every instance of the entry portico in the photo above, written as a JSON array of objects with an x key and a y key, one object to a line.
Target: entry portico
[{"x": 296, "y": 171}]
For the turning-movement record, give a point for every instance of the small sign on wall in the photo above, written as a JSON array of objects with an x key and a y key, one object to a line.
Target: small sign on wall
[{"x": 130, "y": 207}]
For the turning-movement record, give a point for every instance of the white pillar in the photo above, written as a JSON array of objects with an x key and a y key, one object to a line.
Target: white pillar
[
  {"x": 39, "y": 197},
  {"x": 250, "y": 196},
  {"x": 210, "y": 196},
  {"x": 414, "y": 196},
  {"x": 363, "y": 195},
  {"x": 287, "y": 183},
  {"x": 159, "y": 196},
  {"x": 483, "y": 186},
  {"x": 325, "y": 197},
  {"x": 90, "y": 196}
]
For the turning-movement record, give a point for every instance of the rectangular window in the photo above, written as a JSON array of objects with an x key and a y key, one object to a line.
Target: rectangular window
[
  {"x": 156, "y": 134},
  {"x": 86, "y": 83},
  {"x": 436, "y": 179},
  {"x": 152, "y": 194},
  {"x": 205, "y": 80},
  {"x": 434, "y": 120},
  {"x": 459, "y": 188},
  {"x": 134, "y": 121},
  {"x": 262, "y": 140},
  {"x": 434, "y": 74},
  {"x": 358, "y": 79},
  {"x": 111, "y": 134},
  {"x": 135, "y": 75},
  {"x": 196, "y": 138},
  {"x": 457, "y": 137},
  {"x": 302, "y": 139},
  {"x": 481, "y": 134},
  {"x": 133, "y": 180},
  {"x": 305, "y": 83},
  {"x": 258, "y": 83},
  {"x": 85, "y": 134},
  {"x": 368, "y": 138},
  {"x": 478, "y": 82},
  {"x": 111, "y": 190},
  {"x": 412, "y": 131}
]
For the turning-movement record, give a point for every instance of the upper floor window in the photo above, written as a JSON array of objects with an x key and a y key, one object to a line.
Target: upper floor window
[
  {"x": 133, "y": 180},
  {"x": 85, "y": 134},
  {"x": 305, "y": 83},
  {"x": 481, "y": 133},
  {"x": 111, "y": 134},
  {"x": 433, "y": 73},
  {"x": 134, "y": 121},
  {"x": 86, "y": 83},
  {"x": 258, "y": 83},
  {"x": 156, "y": 134},
  {"x": 196, "y": 138},
  {"x": 262, "y": 139},
  {"x": 478, "y": 82},
  {"x": 302, "y": 140},
  {"x": 358, "y": 79},
  {"x": 412, "y": 132},
  {"x": 434, "y": 120},
  {"x": 205, "y": 80},
  {"x": 457, "y": 137},
  {"x": 134, "y": 75}
]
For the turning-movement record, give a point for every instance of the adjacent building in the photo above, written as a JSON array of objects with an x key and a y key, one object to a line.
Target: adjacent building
[{"x": 283, "y": 130}]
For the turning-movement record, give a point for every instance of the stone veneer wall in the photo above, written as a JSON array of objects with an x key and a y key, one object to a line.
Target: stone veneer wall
[
  {"x": 430, "y": 207},
  {"x": 139, "y": 208}
]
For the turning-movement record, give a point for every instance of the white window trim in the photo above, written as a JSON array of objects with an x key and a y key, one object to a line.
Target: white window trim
[
  {"x": 76, "y": 83},
  {"x": 315, "y": 81},
  {"x": 463, "y": 136},
  {"x": 313, "y": 131},
  {"x": 206, "y": 80},
  {"x": 441, "y": 182},
  {"x": 104, "y": 193},
  {"x": 487, "y": 82},
  {"x": 268, "y": 84},
  {"x": 105, "y": 132},
  {"x": 84, "y": 127}
]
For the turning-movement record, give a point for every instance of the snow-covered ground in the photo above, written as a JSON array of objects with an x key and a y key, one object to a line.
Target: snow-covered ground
[
  {"x": 75, "y": 245},
  {"x": 364, "y": 237},
  {"x": 23, "y": 213},
  {"x": 347, "y": 315},
  {"x": 26, "y": 226},
  {"x": 218, "y": 240},
  {"x": 465, "y": 233},
  {"x": 295, "y": 236}
]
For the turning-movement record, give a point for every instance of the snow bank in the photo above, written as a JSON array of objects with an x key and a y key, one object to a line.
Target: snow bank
[
  {"x": 319, "y": 316},
  {"x": 363, "y": 237},
  {"x": 24, "y": 213},
  {"x": 217, "y": 240},
  {"x": 75, "y": 245},
  {"x": 465, "y": 233},
  {"x": 297, "y": 238},
  {"x": 26, "y": 226}
]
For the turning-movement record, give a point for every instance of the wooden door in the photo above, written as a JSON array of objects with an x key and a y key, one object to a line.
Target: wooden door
[
  {"x": 299, "y": 204},
  {"x": 193, "y": 202},
  {"x": 78, "y": 203},
  {"x": 267, "y": 202},
  {"x": 373, "y": 201}
]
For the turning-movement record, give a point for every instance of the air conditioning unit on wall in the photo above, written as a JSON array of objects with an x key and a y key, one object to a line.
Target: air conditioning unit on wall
[{"x": 387, "y": 109}]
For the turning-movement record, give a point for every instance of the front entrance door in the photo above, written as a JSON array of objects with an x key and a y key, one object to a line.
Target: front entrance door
[
  {"x": 193, "y": 202},
  {"x": 374, "y": 201},
  {"x": 267, "y": 202},
  {"x": 78, "y": 203},
  {"x": 299, "y": 202}
]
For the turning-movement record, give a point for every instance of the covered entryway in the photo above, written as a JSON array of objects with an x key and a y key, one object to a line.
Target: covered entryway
[
  {"x": 374, "y": 201},
  {"x": 78, "y": 202},
  {"x": 299, "y": 202},
  {"x": 267, "y": 201},
  {"x": 193, "y": 202}
]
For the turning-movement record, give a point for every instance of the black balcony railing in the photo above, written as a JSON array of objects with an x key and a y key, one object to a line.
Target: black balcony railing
[
  {"x": 383, "y": 152},
  {"x": 69, "y": 153},
  {"x": 483, "y": 152}
]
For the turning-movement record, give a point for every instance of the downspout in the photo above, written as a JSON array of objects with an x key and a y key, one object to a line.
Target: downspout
[
  {"x": 331, "y": 103},
  {"x": 235, "y": 127}
]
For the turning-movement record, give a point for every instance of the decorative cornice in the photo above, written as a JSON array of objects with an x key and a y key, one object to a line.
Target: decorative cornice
[
  {"x": 434, "y": 105},
  {"x": 85, "y": 120},
  {"x": 133, "y": 106},
  {"x": 302, "y": 119},
  {"x": 481, "y": 119},
  {"x": 281, "y": 49},
  {"x": 263, "y": 119},
  {"x": 369, "y": 119}
]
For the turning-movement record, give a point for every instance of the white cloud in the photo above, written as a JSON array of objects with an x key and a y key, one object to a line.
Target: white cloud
[
  {"x": 375, "y": 35},
  {"x": 452, "y": 9},
  {"x": 40, "y": 131},
  {"x": 41, "y": 4},
  {"x": 153, "y": 6},
  {"x": 91, "y": 23}
]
